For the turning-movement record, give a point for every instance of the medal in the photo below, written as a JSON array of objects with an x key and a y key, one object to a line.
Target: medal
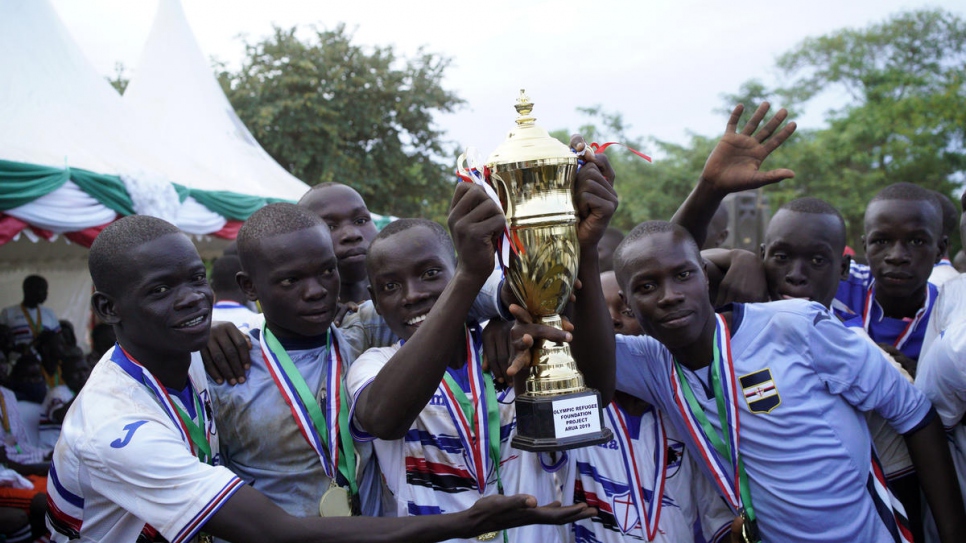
[
  {"x": 488, "y": 536},
  {"x": 749, "y": 529},
  {"x": 335, "y": 502},
  {"x": 205, "y": 538}
]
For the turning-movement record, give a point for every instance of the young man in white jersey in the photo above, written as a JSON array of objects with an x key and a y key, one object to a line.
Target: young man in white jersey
[
  {"x": 442, "y": 428},
  {"x": 138, "y": 452}
]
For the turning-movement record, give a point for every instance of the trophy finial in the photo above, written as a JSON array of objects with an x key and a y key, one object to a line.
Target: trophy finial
[{"x": 524, "y": 106}]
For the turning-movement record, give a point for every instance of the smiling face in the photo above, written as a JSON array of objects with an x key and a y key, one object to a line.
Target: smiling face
[
  {"x": 903, "y": 241},
  {"x": 164, "y": 303},
  {"x": 350, "y": 225},
  {"x": 802, "y": 256},
  {"x": 408, "y": 272},
  {"x": 665, "y": 285},
  {"x": 295, "y": 278}
]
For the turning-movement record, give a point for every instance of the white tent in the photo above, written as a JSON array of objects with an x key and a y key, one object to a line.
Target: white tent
[{"x": 74, "y": 156}]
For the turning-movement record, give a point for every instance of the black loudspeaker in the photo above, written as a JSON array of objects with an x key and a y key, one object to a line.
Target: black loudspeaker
[{"x": 748, "y": 215}]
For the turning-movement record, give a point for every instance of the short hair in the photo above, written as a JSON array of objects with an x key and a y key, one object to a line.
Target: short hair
[
  {"x": 111, "y": 246},
  {"x": 321, "y": 186},
  {"x": 950, "y": 213},
  {"x": 815, "y": 206},
  {"x": 270, "y": 221},
  {"x": 223, "y": 272},
  {"x": 33, "y": 280},
  {"x": 908, "y": 192},
  {"x": 401, "y": 225},
  {"x": 647, "y": 229}
]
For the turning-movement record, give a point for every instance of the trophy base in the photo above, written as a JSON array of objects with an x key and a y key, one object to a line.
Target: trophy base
[{"x": 559, "y": 422}]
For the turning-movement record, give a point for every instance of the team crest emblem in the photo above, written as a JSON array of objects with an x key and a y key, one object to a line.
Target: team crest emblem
[
  {"x": 625, "y": 512},
  {"x": 760, "y": 391},
  {"x": 675, "y": 454}
]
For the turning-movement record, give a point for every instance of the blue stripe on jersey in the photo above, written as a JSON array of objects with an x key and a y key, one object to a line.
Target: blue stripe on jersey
[
  {"x": 445, "y": 443},
  {"x": 612, "y": 488},
  {"x": 884, "y": 510},
  {"x": 419, "y": 510},
  {"x": 69, "y": 496},
  {"x": 583, "y": 535}
]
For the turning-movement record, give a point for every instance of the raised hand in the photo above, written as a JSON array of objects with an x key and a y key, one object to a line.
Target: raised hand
[
  {"x": 594, "y": 194},
  {"x": 475, "y": 222},
  {"x": 734, "y": 164}
]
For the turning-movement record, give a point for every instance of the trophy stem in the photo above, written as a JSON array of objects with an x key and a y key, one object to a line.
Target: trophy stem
[{"x": 555, "y": 371}]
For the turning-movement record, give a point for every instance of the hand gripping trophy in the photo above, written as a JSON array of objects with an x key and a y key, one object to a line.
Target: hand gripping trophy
[{"x": 533, "y": 175}]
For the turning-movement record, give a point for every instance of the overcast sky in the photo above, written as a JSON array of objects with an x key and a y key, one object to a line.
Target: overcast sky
[{"x": 662, "y": 64}]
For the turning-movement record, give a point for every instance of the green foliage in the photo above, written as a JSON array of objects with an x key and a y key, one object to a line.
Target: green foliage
[
  {"x": 329, "y": 110},
  {"x": 905, "y": 121}
]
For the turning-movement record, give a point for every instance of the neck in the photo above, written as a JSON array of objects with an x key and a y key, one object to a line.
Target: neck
[
  {"x": 632, "y": 405},
  {"x": 170, "y": 370},
  {"x": 901, "y": 308},
  {"x": 29, "y": 305},
  {"x": 357, "y": 292},
  {"x": 293, "y": 341},
  {"x": 700, "y": 353}
]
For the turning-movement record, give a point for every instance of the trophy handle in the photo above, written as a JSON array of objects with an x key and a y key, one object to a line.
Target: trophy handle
[{"x": 499, "y": 185}]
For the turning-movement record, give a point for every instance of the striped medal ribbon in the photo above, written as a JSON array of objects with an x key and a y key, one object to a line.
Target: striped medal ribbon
[
  {"x": 911, "y": 326},
  {"x": 714, "y": 448},
  {"x": 649, "y": 512},
  {"x": 323, "y": 431},
  {"x": 195, "y": 436}
]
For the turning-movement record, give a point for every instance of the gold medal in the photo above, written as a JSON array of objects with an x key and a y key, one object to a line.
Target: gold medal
[
  {"x": 488, "y": 536},
  {"x": 205, "y": 538},
  {"x": 335, "y": 503}
]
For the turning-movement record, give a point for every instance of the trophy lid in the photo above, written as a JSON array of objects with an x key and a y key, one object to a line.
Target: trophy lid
[{"x": 529, "y": 142}]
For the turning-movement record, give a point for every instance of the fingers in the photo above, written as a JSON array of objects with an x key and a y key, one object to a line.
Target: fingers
[
  {"x": 732, "y": 126},
  {"x": 771, "y": 125},
  {"x": 520, "y": 314},
  {"x": 496, "y": 348},
  {"x": 555, "y": 514},
  {"x": 775, "y": 141},
  {"x": 773, "y": 176},
  {"x": 756, "y": 118},
  {"x": 736, "y": 530},
  {"x": 228, "y": 351}
]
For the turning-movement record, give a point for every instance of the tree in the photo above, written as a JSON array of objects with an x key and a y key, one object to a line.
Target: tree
[
  {"x": 905, "y": 119},
  {"x": 329, "y": 110}
]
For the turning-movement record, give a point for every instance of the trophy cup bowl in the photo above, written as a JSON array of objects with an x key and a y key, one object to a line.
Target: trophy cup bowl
[{"x": 533, "y": 175}]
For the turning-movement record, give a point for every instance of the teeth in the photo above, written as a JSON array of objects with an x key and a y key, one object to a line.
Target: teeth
[
  {"x": 416, "y": 320},
  {"x": 192, "y": 322}
]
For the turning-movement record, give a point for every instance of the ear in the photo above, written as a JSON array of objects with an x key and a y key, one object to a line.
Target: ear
[
  {"x": 722, "y": 236},
  {"x": 375, "y": 302},
  {"x": 103, "y": 306},
  {"x": 865, "y": 247},
  {"x": 246, "y": 285},
  {"x": 846, "y": 264},
  {"x": 761, "y": 251},
  {"x": 623, "y": 298},
  {"x": 943, "y": 246}
]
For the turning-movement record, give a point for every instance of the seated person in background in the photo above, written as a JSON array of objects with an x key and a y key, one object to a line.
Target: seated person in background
[
  {"x": 51, "y": 347},
  {"x": 644, "y": 484},
  {"x": 27, "y": 379},
  {"x": 68, "y": 334},
  {"x": 137, "y": 454},
  {"x": 29, "y": 318},
  {"x": 102, "y": 339},
  {"x": 14, "y": 524},
  {"x": 943, "y": 270},
  {"x": 231, "y": 305},
  {"x": 31, "y": 463},
  {"x": 58, "y": 399}
]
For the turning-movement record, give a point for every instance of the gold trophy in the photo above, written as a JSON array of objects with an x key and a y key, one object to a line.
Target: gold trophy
[{"x": 533, "y": 175}]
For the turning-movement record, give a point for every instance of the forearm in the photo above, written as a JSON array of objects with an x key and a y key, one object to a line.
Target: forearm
[
  {"x": 698, "y": 209},
  {"x": 408, "y": 381},
  {"x": 933, "y": 462},
  {"x": 593, "y": 346}
]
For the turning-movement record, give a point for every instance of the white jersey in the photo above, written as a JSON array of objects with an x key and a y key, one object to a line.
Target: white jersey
[
  {"x": 949, "y": 309},
  {"x": 942, "y": 378},
  {"x": 427, "y": 470},
  {"x": 235, "y": 313},
  {"x": 122, "y": 468},
  {"x": 15, "y": 317},
  {"x": 603, "y": 476}
]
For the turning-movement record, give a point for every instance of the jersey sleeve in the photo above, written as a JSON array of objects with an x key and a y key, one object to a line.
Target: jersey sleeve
[
  {"x": 941, "y": 375},
  {"x": 487, "y": 304},
  {"x": 361, "y": 374},
  {"x": 855, "y": 369},
  {"x": 637, "y": 358},
  {"x": 143, "y": 466}
]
